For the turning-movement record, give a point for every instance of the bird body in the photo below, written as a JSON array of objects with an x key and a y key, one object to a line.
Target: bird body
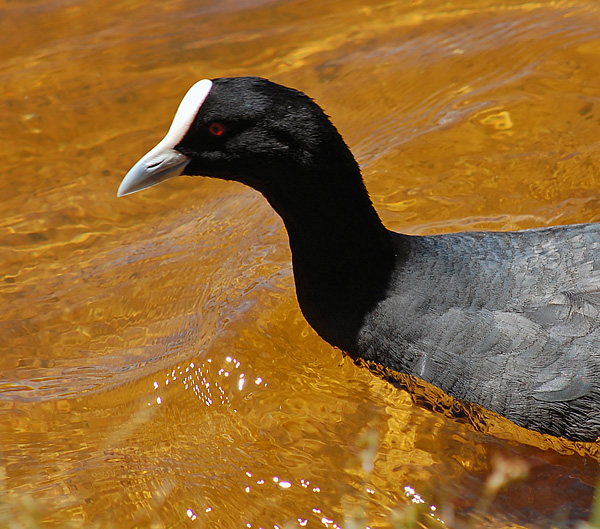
[{"x": 506, "y": 320}]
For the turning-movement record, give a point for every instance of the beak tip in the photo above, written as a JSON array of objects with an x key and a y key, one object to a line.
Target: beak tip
[
  {"x": 126, "y": 188},
  {"x": 152, "y": 169}
]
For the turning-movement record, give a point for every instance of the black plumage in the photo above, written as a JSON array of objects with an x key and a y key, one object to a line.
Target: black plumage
[{"x": 509, "y": 321}]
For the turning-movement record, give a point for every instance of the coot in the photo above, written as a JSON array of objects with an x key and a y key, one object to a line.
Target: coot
[{"x": 508, "y": 321}]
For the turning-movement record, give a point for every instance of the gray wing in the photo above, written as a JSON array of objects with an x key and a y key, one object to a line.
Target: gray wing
[
  {"x": 509, "y": 322},
  {"x": 571, "y": 321}
]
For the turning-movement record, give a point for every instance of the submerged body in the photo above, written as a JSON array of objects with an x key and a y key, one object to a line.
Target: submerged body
[{"x": 509, "y": 321}]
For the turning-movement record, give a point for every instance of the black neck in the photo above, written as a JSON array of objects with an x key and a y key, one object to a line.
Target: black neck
[{"x": 342, "y": 254}]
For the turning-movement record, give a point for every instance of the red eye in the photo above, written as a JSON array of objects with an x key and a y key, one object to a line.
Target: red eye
[{"x": 216, "y": 128}]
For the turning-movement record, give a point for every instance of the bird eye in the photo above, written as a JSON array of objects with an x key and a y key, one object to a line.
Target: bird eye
[{"x": 216, "y": 128}]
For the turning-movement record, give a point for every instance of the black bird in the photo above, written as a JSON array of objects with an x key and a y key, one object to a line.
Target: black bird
[{"x": 506, "y": 320}]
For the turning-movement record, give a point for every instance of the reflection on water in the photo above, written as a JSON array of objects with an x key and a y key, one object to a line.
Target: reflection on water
[{"x": 155, "y": 369}]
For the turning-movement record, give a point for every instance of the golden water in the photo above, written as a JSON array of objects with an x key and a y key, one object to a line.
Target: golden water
[{"x": 155, "y": 370}]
